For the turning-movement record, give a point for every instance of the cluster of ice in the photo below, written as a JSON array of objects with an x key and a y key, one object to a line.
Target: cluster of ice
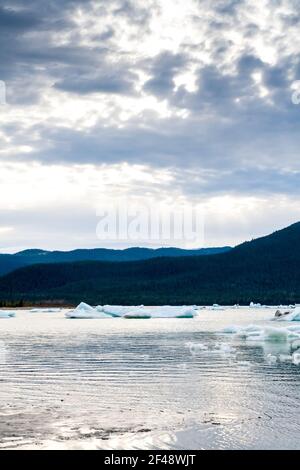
[
  {"x": 216, "y": 307},
  {"x": 131, "y": 312},
  {"x": 86, "y": 311},
  {"x": 258, "y": 333},
  {"x": 45, "y": 310},
  {"x": 4, "y": 314},
  {"x": 196, "y": 348},
  {"x": 287, "y": 358},
  {"x": 117, "y": 310},
  {"x": 292, "y": 315},
  {"x": 289, "y": 336},
  {"x": 221, "y": 348}
]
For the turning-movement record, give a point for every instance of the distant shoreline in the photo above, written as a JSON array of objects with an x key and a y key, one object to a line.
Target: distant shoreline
[{"x": 30, "y": 307}]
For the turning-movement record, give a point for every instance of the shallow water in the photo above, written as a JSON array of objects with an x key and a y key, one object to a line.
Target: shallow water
[{"x": 140, "y": 384}]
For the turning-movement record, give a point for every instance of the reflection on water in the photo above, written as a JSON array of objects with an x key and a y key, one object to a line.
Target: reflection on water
[{"x": 141, "y": 384}]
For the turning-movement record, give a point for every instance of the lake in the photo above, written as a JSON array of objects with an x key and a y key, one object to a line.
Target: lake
[{"x": 145, "y": 384}]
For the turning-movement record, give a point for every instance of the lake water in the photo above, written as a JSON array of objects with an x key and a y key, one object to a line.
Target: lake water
[{"x": 138, "y": 384}]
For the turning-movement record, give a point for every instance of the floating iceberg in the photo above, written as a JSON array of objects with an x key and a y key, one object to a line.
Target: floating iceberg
[
  {"x": 86, "y": 311},
  {"x": 218, "y": 348},
  {"x": 130, "y": 312},
  {"x": 137, "y": 314},
  {"x": 296, "y": 358},
  {"x": 45, "y": 310},
  {"x": 165, "y": 311},
  {"x": 293, "y": 315},
  {"x": 117, "y": 310},
  {"x": 7, "y": 314},
  {"x": 278, "y": 335},
  {"x": 231, "y": 330},
  {"x": 217, "y": 307},
  {"x": 257, "y": 333},
  {"x": 171, "y": 312},
  {"x": 196, "y": 348},
  {"x": 253, "y": 305},
  {"x": 271, "y": 359}
]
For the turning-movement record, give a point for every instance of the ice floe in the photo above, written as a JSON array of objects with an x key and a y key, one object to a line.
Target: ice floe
[
  {"x": 296, "y": 358},
  {"x": 291, "y": 315},
  {"x": 137, "y": 314},
  {"x": 117, "y": 310},
  {"x": 167, "y": 311},
  {"x": 284, "y": 342},
  {"x": 131, "y": 312},
  {"x": 87, "y": 312},
  {"x": 4, "y": 314},
  {"x": 220, "y": 348},
  {"x": 217, "y": 307},
  {"x": 45, "y": 310},
  {"x": 196, "y": 347},
  {"x": 258, "y": 333}
]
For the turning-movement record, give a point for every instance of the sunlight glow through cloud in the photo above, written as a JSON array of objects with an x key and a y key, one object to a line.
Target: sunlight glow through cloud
[{"x": 169, "y": 100}]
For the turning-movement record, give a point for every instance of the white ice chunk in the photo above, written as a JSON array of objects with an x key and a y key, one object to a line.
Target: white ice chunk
[
  {"x": 295, "y": 345},
  {"x": 4, "y": 314},
  {"x": 217, "y": 307},
  {"x": 171, "y": 312},
  {"x": 258, "y": 333},
  {"x": 232, "y": 329},
  {"x": 296, "y": 357},
  {"x": 294, "y": 315},
  {"x": 277, "y": 335},
  {"x": 196, "y": 348},
  {"x": 118, "y": 310},
  {"x": 85, "y": 311},
  {"x": 45, "y": 310},
  {"x": 139, "y": 314},
  {"x": 253, "y": 305},
  {"x": 271, "y": 359},
  {"x": 225, "y": 348},
  {"x": 165, "y": 311}
]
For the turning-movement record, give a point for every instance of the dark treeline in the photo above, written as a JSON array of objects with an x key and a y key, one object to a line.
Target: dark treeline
[{"x": 265, "y": 270}]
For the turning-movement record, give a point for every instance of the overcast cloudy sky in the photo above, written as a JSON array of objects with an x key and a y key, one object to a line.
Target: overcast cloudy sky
[{"x": 171, "y": 100}]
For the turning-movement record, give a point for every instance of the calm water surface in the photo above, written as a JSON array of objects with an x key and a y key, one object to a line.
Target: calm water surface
[{"x": 137, "y": 384}]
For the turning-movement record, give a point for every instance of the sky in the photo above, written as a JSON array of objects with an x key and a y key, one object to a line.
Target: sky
[{"x": 159, "y": 101}]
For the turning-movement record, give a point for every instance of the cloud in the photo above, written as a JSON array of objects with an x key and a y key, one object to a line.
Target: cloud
[
  {"x": 115, "y": 83},
  {"x": 163, "y": 69},
  {"x": 17, "y": 20},
  {"x": 200, "y": 90}
]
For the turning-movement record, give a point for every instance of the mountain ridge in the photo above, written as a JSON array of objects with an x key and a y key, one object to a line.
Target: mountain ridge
[
  {"x": 11, "y": 262},
  {"x": 265, "y": 270}
]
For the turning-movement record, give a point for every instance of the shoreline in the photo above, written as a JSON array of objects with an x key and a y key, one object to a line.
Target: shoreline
[{"x": 30, "y": 307}]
